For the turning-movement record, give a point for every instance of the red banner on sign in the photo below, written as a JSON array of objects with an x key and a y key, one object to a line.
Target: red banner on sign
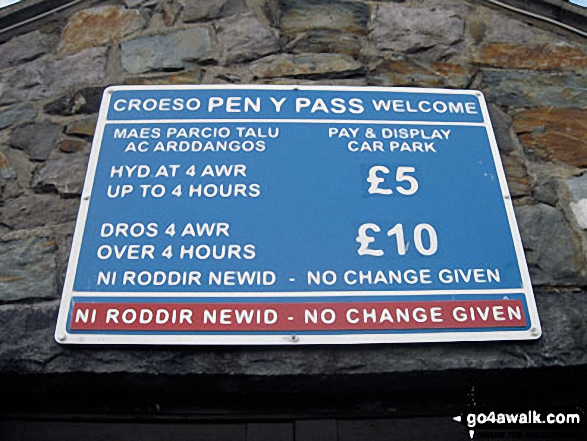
[{"x": 296, "y": 316}]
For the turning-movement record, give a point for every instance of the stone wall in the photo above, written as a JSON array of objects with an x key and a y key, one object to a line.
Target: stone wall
[{"x": 533, "y": 74}]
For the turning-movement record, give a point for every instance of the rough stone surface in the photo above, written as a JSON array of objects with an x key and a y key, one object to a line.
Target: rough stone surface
[
  {"x": 82, "y": 127},
  {"x": 226, "y": 75},
  {"x": 549, "y": 249},
  {"x": 244, "y": 38},
  {"x": 555, "y": 134},
  {"x": 406, "y": 29},
  {"x": 16, "y": 172},
  {"x": 27, "y": 269},
  {"x": 546, "y": 191},
  {"x": 63, "y": 172},
  {"x": 460, "y": 6},
  {"x": 543, "y": 57},
  {"x": 72, "y": 145},
  {"x": 516, "y": 175},
  {"x": 496, "y": 26},
  {"x": 84, "y": 101},
  {"x": 170, "y": 11},
  {"x": 409, "y": 73},
  {"x": 342, "y": 17},
  {"x": 17, "y": 114},
  {"x": 321, "y": 41},
  {"x": 169, "y": 51},
  {"x": 194, "y": 10},
  {"x": 501, "y": 124},
  {"x": 26, "y": 47},
  {"x": 99, "y": 26},
  {"x": 36, "y": 139},
  {"x": 305, "y": 65},
  {"x": 578, "y": 188},
  {"x": 46, "y": 77},
  {"x": 7, "y": 173},
  {"x": 36, "y": 210},
  {"x": 518, "y": 88},
  {"x": 157, "y": 22}
]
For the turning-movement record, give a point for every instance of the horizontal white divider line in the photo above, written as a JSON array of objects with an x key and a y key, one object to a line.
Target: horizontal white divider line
[
  {"x": 296, "y": 293},
  {"x": 311, "y": 121}
]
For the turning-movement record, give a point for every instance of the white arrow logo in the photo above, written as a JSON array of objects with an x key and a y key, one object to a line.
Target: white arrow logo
[{"x": 458, "y": 419}]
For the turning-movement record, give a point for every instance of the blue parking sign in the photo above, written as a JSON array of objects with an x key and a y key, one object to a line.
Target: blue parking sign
[{"x": 288, "y": 215}]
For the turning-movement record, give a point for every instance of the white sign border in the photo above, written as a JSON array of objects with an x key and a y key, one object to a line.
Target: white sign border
[{"x": 533, "y": 332}]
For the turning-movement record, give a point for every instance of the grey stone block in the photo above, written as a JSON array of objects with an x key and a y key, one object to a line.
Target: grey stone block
[
  {"x": 503, "y": 29},
  {"x": 502, "y": 124},
  {"x": 47, "y": 77},
  {"x": 546, "y": 191},
  {"x": 16, "y": 171},
  {"x": 343, "y": 17},
  {"x": 306, "y": 65},
  {"x": 36, "y": 210},
  {"x": 409, "y": 30},
  {"x": 17, "y": 114},
  {"x": 27, "y": 269},
  {"x": 244, "y": 38},
  {"x": 26, "y": 47},
  {"x": 37, "y": 139},
  {"x": 549, "y": 249},
  {"x": 169, "y": 51},
  {"x": 197, "y": 10},
  {"x": 194, "y": 10},
  {"x": 327, "y": 42},
  {"x": 525, "y": 88},
  {"x": 64, "y": 172}
]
